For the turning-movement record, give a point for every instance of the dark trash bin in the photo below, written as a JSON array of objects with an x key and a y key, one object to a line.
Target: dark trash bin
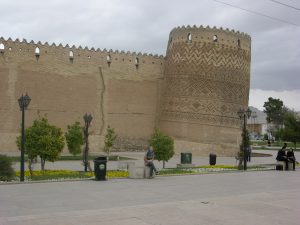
[
  {"x": 100, "y": 168},
  {"x": 212, "y": 159},
  {"x": 186, "y": 158}
]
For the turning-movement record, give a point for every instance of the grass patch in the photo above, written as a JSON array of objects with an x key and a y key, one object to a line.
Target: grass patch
[
  {"x": 270, "y": 148},
  {"x": 209, "y": 169},
  {"x": 218, "y": 166},
  {"x": 255, "y": 154},
  {"x": 68, "y": 174},
  {"x": 263, "y": 145},
  {"x": 74, "y": 158}
]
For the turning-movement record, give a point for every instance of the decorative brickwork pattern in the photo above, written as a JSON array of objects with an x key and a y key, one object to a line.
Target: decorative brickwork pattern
[{"x": 206, "y": 81}]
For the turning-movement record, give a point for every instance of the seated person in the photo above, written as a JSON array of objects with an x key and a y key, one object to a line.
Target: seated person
[
  {"x": 291, "y": 157},
  {"x": 148, "y": 159},
  {"x": 281, "y": 156}
]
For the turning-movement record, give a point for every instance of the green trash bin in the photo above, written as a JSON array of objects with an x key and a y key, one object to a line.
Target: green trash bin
[
  {"x": 100, "y": 168},
  {"x": 212, "y": 159},
  {"x": 186, "y": 158}
]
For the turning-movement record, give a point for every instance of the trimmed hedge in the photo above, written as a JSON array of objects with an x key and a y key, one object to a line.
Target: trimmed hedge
[{"x": 7, "y": 173}]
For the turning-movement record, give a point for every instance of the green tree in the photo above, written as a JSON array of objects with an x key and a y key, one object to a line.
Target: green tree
[
  {"x": 43, "y": 140},
  {"x": 7, "y": 173},
  {"x": 110, "y": 138},
  {"x": 291, "y": 130},
  {"x": 275, "y": 110},
  {"x": 245, "y": 144},
  {"x": 74, "y": 138},
  {"x": 163, "y": 146}
]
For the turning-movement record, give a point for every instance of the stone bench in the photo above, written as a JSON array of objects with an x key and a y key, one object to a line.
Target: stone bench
[
  {"x": 139, "y": 172},
  {"x": 282, "y": 164}
]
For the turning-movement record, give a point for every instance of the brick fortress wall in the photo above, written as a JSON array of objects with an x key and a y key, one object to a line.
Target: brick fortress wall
[
  {"x": 192, "y": 94},
  {"x": 121, "y": 91}
]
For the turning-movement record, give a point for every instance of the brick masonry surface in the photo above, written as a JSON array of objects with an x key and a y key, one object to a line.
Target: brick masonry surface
[{"x": 192, "y": 93}]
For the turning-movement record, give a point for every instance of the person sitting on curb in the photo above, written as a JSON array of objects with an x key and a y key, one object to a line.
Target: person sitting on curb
[
  {"x": 291, "y": 157},
  {"x": 148, "y": 160},
  {"x": 281, "y": 156}
]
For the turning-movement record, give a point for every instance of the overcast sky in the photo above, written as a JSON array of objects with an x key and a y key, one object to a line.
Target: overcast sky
[{"x": 144, "y": 26}]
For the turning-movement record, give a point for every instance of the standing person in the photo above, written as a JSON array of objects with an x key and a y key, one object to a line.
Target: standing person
[
  {"x": 148, "y": 159},
  {"x": 249, "y": 150},
  {"x": 281, "y": 156}
]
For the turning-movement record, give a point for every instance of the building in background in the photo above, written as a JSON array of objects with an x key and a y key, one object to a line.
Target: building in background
[{"x": 257, "y": 124}]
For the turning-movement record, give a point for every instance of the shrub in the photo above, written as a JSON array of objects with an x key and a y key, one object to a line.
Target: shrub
[
  {"x": 110, "y": 138},
  {"x": 74, "y": 138},
  {"x": 43, "y": 140},
  {"x": 7, "y": 173},
  {"x": 163, "y": 146}
]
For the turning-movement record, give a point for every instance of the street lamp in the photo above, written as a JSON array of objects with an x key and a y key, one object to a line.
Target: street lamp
[
  {"x": 24, "y": 101},
  {"x": 244, "y": 114},
  {"x": 254, "y": 116},
  {"x": 87, "y": 120}
]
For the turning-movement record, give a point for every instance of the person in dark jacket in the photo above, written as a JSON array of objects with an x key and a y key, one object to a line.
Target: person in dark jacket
[
  {"x": 148, "y": 160},
  {"x": 281, "y": 156},
  {"x": 291, "y": 157}
]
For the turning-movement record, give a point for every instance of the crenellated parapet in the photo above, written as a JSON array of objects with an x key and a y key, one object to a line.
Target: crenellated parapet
[
  {"x": 227, "y": 38},
  {"x": 24, "y": 50}
]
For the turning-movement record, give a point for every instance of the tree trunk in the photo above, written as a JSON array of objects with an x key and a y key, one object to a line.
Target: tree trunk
[
  {"x": 43, "y": 164},
  {"x": 240, "y": 166},
  {"x": 163, "y": 163},
  {"x": 107, "y": 155},
  {"x": 30, "y": 164}
]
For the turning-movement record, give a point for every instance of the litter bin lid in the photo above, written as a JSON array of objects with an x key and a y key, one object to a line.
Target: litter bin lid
[{"x": 101, "y": 158}]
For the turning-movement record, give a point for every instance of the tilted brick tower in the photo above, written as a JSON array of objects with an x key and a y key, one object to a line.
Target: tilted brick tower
[{"x": 206, "y": 81}]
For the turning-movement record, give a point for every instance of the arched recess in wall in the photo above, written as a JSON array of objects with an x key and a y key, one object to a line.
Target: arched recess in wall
[
  {"x": 2, "y": 48},
  {"x": 37, "y": 53},
  {"x": 215, "y": 38},
  {"x": 108, "y": 59},
  {"x": 137, "y": 62},
  {"x": 189, "y": 37},
  {"x": 239, "y": 43},
  {"x": 71, "y": 56}
]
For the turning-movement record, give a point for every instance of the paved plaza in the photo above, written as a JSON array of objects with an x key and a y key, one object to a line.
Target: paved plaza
[{"x": 260, "y": 198}]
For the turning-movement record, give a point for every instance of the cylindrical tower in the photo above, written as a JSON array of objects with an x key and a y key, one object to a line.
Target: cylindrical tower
[{"x": 206, "y": 81}]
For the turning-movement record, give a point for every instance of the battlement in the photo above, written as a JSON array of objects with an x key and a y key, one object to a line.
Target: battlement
[
  {"x": 226, "y": 37},
  {"x": 73, "y": 47},
  {"x": 24, "y": 48}
]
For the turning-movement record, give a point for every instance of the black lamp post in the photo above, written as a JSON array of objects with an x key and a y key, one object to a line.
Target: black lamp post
[
  {"x": 244, "y": 114},
  {"x": 254, "y": 116},
  {"x": 87, "y": 121},
  {"x": 24, "y": 101}
]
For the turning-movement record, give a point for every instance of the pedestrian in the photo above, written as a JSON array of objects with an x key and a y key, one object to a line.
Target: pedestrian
[
  {"x": 249, "y": 151},
  {"x": 148, "y": 160}
]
